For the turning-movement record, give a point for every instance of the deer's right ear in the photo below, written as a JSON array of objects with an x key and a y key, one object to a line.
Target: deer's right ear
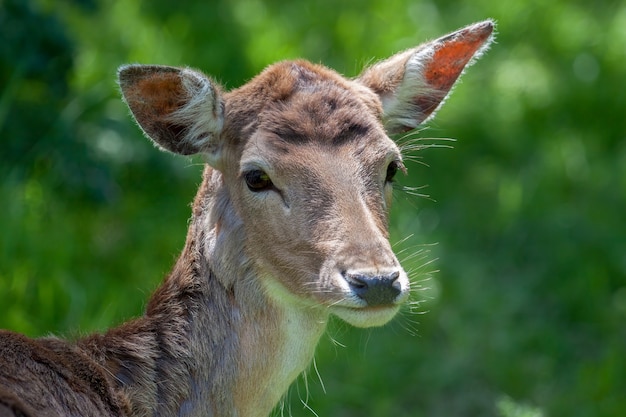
[{"x": 180, "y": 109}]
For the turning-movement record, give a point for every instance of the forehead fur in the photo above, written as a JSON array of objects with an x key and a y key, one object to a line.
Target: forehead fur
[{"x": 301, "y": 102}]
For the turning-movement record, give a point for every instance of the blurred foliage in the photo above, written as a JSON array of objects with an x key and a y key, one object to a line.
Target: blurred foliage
[{"x": 526, "y": 314}]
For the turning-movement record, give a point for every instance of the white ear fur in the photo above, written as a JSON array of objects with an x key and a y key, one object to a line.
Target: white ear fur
[
  {"x": 202, "y": 114},
  {"x": 413, "y": 84},
  {"x": 399, "y": 109},
  {"x": 181, "y": 110}
]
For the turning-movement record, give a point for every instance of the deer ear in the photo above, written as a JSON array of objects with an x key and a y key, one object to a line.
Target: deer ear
[
  {"x": 180, "y": 109},
  {"x": 413, "y": 84}
]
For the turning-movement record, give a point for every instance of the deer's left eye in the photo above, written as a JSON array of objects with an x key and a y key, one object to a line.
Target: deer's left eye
[{"x": 392, "y": 170}]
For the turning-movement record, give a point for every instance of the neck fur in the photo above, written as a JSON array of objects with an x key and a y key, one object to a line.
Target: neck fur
[{"x": 215, "y": 341}]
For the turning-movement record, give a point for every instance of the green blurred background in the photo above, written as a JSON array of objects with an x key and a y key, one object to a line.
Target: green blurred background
[{"x": 526, "y": 220}]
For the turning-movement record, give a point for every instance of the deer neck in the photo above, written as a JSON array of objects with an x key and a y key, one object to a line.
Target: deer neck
[{"x": 214, "y": 341}]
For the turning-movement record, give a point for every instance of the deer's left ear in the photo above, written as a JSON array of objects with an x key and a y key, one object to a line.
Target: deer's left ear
[{"x": 413, "y": 84}]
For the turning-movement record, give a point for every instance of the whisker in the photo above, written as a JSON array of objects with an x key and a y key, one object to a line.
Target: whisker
[
  {"x": 319, "y": 377},
  {"x": 413, "y": 142},
  {"x": 307, "y": 407},
  {"x": 415, "y": 191},
  {"x": 336, "y": 342},
  {"x": 409, "y": 326},
  {"x": 402, "y": 241}
]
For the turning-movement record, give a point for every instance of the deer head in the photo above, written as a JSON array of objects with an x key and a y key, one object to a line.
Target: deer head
[{"x": 302, "y": 161}]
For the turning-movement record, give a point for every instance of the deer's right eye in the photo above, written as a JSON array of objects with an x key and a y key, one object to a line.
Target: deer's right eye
[{"x": 257, "y": 180}]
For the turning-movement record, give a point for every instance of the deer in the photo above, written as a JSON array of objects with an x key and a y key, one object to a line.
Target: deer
[{"x": 289, "y": 227}]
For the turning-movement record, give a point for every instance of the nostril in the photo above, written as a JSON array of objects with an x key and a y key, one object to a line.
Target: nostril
[
  {"x": 355, "y": 280},
  {"x": 358, "y": 284},
  {"x": 374, "y": 289}
]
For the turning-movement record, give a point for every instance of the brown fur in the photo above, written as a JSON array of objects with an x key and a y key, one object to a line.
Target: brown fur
[{"x": 264, "y": 264}]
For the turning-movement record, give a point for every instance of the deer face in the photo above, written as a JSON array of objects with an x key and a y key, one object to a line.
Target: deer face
[
  {"x": 307, "y": 163},
  {"x": 311, "y": 176}
]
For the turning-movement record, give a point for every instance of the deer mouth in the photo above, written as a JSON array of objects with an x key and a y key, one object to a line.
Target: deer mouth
[
  {"x": 369, "y": 297},
  {"x": 366, "y": 316}
]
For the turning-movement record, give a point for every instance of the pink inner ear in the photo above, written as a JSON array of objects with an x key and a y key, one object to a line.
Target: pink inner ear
[
  {"x": 453, "y": 55},
  {"x": 159, "y": 94}
]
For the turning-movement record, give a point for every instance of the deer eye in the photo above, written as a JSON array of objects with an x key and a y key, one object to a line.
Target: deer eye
[
  {"x": 257, "y": 180},
  {"x": 392, "y": 170}
]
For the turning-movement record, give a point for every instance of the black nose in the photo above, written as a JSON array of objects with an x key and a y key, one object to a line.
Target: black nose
[{"x": 375, "y": 290}]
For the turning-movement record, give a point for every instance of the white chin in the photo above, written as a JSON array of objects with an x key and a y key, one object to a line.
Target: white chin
[{"x": 365, "y": 317}]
